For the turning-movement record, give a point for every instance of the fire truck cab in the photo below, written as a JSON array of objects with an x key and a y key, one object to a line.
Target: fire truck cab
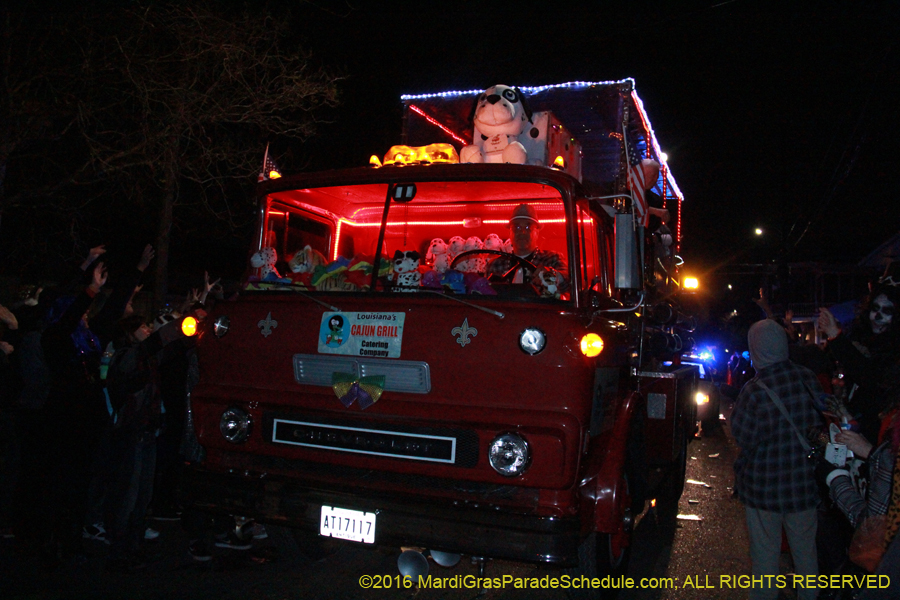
[{"x": 368, "y": 388}]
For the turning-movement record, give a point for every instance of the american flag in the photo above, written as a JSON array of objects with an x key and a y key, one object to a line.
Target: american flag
[
  {"x": 636, "y": 183},
  {"x": 267, "y": 168}
]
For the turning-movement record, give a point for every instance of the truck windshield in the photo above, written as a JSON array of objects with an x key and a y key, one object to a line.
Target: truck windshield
[{"x": 453, "y": 237}]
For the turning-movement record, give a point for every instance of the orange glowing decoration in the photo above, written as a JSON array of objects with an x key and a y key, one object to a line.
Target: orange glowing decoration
[
  {"x": 421, "y": 155},
  {"x": 189, "y": 326},
  {"x": 591, "y": 345}
]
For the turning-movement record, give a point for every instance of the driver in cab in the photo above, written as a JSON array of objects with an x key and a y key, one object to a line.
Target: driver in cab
[{"x": 524, "y": 229}]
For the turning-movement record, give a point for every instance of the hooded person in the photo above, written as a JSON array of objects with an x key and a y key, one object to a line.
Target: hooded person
[
  {"x": 774, "y": 478},
  {"x": 869, "y": 353}
]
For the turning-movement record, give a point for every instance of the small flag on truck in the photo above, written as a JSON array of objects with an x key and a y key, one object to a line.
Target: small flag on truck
[
  {"x": 269, "y": 168},
  {"x": 636, "y": 182}
]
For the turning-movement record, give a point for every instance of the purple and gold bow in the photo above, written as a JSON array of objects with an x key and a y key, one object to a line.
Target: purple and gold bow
[{"x": 349, "y": 388}]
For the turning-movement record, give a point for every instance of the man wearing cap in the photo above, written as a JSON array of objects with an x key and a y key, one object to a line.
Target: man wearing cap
[{"x": 524, "y": 229}]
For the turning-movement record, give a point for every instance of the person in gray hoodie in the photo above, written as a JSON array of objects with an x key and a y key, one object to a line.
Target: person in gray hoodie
[{"x": 774, "y": 478}]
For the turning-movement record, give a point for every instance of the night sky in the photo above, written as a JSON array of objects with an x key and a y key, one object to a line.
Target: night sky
[{"x": 778, "y": 115}]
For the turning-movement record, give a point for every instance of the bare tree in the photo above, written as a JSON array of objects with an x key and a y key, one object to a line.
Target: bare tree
[{"x": 178, "y": 93}]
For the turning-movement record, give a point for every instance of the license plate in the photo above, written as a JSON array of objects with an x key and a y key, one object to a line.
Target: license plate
[{"x": 344, "y": 524}]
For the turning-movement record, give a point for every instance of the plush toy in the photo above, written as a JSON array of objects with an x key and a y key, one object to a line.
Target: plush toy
[
  {"x": 548, "y": 282},
  {"x": 478, "y": 284},
  {"x": 431, "y": 280},
  {"x": 264, "y": 261},
  {"x": 493, "y": 242},
  {"x": 500, "y": 117},
  {"x": 406, "y": 271},
  {"x": 359, "y": 271},
  {"x": 457, "y": 245},
  {"x": 306, "y": 260},
  {"x": 474, "y": 263},
  {"x": 454, "y": 281},
  {"x": 438, "y": 255}
]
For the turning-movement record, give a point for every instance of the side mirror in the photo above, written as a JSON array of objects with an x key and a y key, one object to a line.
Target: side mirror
[{"x": 628, "y": 275}]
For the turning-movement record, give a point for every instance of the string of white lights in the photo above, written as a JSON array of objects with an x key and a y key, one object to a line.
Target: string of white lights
[{"x": 526, "y": 89}]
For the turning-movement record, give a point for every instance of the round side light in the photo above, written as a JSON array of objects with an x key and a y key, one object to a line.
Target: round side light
[
  {"x": 532, "y": 340},
  {"x": 509, "y": 454},
  {"x": 189, "y": 326},
  {"x": 235, "y": 425},
  {"x": 591, "y": 345},
  {"x": 220, "y": 327}
]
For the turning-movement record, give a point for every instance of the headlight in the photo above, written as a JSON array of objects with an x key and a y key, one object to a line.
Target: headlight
[
  {"x": 235, "y": 425},
  {"x": 532, "y": 340},
  {"x": 509, "y": 455},
  {"x": 220, "y": 327}
]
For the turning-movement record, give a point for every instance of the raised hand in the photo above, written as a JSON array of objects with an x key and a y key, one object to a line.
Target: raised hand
[
  {"x": 827, "y": 324},
  {"x": 93, "y": 254},
  {"x": 99, "y": 277},
  {"x": 207, "y": 286},
  {"x": 146, "y": 256},
  {"x": 7, "y": 317}
]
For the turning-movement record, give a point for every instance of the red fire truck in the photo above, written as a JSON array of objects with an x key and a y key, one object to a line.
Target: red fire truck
[{"x": 430, "y": 401}]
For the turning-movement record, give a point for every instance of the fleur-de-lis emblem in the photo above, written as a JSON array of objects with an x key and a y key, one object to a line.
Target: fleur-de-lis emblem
[
  {"x": 267, "y": 325},
  {"x": 464, "y": 332}
]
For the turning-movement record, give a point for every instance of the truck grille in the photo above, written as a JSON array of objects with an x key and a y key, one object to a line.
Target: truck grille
[
  {"x": 408, "y": 376},
  {"x": 395, "y": 444},
  {"x": 458, "y": 447}
]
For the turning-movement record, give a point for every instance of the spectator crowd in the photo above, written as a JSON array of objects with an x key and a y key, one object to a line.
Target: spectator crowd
[{"x": 93, "y": 403}]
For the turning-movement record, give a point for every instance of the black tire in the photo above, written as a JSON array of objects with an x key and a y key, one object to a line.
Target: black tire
[
  {"x": 300, "y": 545},
  {"x": 671, "y": 489},
  {"x": 596, "y": 559}
]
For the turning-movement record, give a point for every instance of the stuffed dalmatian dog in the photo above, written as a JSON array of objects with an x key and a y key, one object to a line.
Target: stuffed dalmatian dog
[
  {"x": 457, "y": 245},
  {"x": 438, "y": 255},
  {"x": 493, "y": 242},
  {"x": 476, "y": 263},
  {"x": 265, "y": 260},
  {"x": 406, "y": 271},
  {"x": 500, "y": 117}
]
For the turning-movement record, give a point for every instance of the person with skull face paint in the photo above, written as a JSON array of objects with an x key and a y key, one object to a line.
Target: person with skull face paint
[{"x": 870, "y": 354}]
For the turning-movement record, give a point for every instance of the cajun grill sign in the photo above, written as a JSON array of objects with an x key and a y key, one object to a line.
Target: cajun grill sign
[{"x": 373, "y": 334}]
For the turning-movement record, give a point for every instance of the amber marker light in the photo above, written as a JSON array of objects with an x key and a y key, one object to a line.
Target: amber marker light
[
  {"x": 189, "y": 326},
  {"x": 591, "y": 345}
]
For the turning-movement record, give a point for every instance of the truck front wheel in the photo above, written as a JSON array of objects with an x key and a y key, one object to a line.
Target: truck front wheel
[{"x": 599, "y": 555}]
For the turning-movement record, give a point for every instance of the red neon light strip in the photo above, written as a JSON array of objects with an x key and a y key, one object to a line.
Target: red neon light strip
[
  {"x": 438, "y": 124},
  {"x": 457, "y": 223},
  {"x": 337, "y": 239}
]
